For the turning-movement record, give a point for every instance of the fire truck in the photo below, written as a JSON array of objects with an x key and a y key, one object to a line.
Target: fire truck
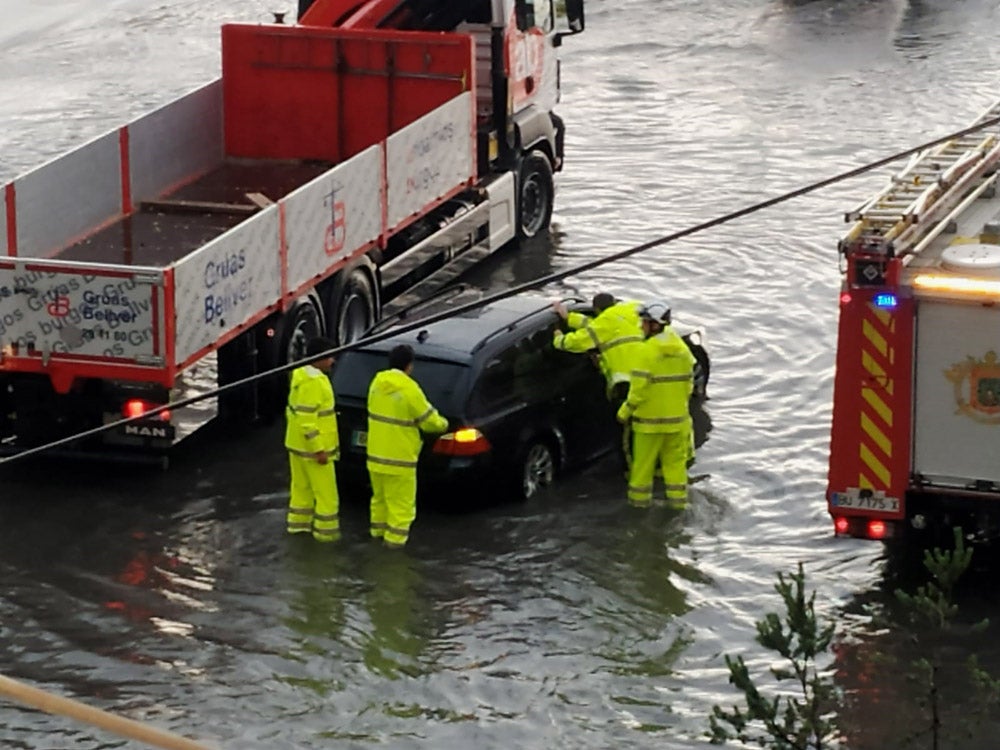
[
  {"x": 915, "y": 439},
  {"x": 368, "y": 152}
]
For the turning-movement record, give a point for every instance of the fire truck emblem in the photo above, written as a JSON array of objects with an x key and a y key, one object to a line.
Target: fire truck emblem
[{"x": 980, "y": 399}]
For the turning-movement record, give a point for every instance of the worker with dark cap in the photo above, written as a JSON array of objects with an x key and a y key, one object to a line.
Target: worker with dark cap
[
  {"x": 398, "y": 411},
  {"x": 313, "y": 445},
  {"x": 657, "y": 409},
  {"x": 615, "y": 334}
]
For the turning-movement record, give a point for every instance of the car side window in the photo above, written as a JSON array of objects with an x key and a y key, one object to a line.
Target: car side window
[{"x": 495, "y": 383}]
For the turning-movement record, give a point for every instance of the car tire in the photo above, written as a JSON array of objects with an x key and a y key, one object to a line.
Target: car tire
[
  {"x": 536, "y": 468},
  {"x": 351, "y": 305},
  {"x": 535, "y": 195}
]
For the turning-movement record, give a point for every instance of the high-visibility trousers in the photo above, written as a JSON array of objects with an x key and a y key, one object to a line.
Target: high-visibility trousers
[
  {"x": 393, "y": 506},
  {"x": 669, "y": 452},
  {"x": 313, "y": 502}
]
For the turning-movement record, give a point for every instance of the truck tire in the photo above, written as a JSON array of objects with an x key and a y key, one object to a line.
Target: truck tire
[
  {"x": 351, "y": 304},
  {"x": 535, "y": 195},
  {"x": 282, "y": 339}
]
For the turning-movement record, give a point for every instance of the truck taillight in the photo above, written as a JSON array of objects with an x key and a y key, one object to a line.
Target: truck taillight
[
  {"x": 465, "y": 441},
  {"x": 841, "y": 525},
  {"x": 136, "y": 407}
]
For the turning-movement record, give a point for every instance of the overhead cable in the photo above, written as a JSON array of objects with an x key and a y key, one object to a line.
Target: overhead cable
[{"x": 538, "y": 283}]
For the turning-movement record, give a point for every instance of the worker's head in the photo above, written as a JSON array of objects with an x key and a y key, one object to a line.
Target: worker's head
[
  {"x": 319, "y": 345},
  {"x": 654, "y": 316},
  {"x": 401, "y": 358},
  {"x": 602, "y": 301}
]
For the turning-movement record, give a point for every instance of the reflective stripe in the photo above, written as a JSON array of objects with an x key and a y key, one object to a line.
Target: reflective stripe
[
  {"x": 300, "y": 512},
  {"x": 299, "y": 528},
  {"x": 334, "y": 454},
  {"x": 676, "y": 488},
  {"x": 640, "y": 490},
  {"x": 302, "y": 409},
  {"x": 669, "y": 378},
  {"x": 642, "y": 374},
  {"x": 311, "y": 434},
  {"x": 659, "y": 420},
  {"x": 593, "y": 336},
  {"x": 425, "y": 415},
  {"x": 391, "y": 461},
  {"x": 621, "y": 340},
  {"x": 393, "y": 420},
  {"x": 326, "y": 412},
  {"x": 320, "y": 518}
]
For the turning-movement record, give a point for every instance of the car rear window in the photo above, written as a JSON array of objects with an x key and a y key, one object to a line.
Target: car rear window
[{"x": 441, "y": 382}]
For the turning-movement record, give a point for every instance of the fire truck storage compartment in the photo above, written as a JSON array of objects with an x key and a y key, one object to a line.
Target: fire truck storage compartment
[{"x": 956, "y": 430}]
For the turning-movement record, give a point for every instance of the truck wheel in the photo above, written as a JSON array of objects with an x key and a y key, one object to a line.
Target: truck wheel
[
  {"x": 282, "y": 339},
  {"x": 535, "y": 195},
  {"x": 351, "y": 305}
]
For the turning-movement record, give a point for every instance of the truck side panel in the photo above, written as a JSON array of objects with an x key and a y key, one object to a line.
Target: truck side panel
[
  {"x": 173, "y": 144},
  {"x": 429, "y": 158},
  {"x": 71, "y": 197},
  {"x": 313, "y": 93},
  {"x": 333, "y": 217},
  {"x": 957, "y": 398},
  {"x": 226, "y": 285},
  {"x": 67, "y": 197}
]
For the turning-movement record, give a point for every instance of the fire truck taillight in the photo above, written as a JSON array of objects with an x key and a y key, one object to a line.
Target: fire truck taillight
[
  {"x": 136, "y": 407},
  {"x": 841, "y": 525},
  {"x": 877, "y": 529}
]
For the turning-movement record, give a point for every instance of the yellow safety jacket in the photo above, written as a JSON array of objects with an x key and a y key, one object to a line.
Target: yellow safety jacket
[
  {"x": 615, "y": 333},
  {"x": 311, "y": 419},
  {"x": 662, "y": 381},
  {"x": 397, "y": 411}
]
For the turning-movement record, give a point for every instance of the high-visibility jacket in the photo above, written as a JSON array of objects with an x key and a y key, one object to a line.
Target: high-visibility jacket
[
  {"x": 311, "y": 419},
  {"x": 397, "y": 412},
  {"x": 662, "y": 382},
  {"x": 615, "y": 334}
]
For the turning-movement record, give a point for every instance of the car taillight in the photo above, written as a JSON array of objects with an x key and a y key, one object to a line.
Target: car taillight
[
  {"x": 136, "y": 407},
  {"x": 465, "y": 441}
]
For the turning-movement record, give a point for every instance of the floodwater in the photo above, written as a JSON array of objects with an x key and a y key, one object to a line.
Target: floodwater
[{"x": 571, "y": 621}]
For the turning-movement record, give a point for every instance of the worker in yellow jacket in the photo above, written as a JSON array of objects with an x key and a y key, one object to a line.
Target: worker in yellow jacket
[
  {"x": 313, "y": 445},
  {"x": 398, "y": 411},
  {"x": 616, "y": 335},
  {"x": 657, "y": 408}
]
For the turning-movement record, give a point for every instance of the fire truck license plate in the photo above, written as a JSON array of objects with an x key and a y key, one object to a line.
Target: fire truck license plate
[{"x": 866, "y": 500}]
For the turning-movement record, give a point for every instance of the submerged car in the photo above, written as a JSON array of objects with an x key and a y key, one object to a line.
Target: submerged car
[{"x": 520, "y": 412}]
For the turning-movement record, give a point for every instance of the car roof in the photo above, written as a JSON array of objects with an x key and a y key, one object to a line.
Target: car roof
[{"x": 457, "y": 338}]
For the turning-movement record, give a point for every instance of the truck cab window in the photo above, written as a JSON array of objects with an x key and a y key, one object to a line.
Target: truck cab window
[{"x": 534, "y": 13}]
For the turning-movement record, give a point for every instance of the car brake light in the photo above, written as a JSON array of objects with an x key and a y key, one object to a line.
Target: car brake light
[
  {"x": 465, "y": 441},
  {"x": 841, "y": 525},
  {"x": 136, "y": 407}
]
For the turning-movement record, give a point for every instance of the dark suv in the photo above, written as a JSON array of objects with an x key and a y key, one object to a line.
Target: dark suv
[{"x": 519, "y": 411}]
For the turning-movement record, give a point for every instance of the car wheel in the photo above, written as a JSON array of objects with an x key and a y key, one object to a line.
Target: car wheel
[
  {"x": 536, "y": 469},
  {"x": 536, "y": 192}
]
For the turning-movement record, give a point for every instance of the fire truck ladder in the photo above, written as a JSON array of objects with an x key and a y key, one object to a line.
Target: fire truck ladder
[{"x": 923, "y": 198}]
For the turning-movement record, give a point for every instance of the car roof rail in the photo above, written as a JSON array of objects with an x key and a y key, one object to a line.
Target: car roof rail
[
  {"x": 445, "y": 293},
  {"x": 513, "y": 324}
]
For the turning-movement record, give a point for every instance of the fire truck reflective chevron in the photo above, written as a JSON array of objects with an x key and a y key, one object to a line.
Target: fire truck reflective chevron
[{"x": 915, "y": 432}]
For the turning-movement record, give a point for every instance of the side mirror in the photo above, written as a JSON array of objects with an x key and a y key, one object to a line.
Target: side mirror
[
  {"x": 524, "y": 14},
  {"x": 574, "y": 14}
]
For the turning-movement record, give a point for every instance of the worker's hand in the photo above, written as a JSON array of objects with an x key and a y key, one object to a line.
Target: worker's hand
[
  {"x": 560, "y": 309},
  {"x": 322, "y": 457},
  {"x": 623, "y": 414}
]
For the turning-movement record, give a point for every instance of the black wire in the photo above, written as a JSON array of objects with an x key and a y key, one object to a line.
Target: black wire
[{"x": 512, "y": 291}]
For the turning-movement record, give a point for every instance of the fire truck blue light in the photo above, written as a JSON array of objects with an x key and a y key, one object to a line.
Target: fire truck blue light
[{"x": 885, "y": 300}]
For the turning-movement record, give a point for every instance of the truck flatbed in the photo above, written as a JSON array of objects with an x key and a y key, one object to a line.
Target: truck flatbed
[{"x": 163, "y": 231}]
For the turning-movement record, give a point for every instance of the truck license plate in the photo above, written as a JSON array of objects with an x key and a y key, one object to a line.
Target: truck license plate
[
  {"x": 359, "y": 438},
  {"x": 866, "y": 500}
]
